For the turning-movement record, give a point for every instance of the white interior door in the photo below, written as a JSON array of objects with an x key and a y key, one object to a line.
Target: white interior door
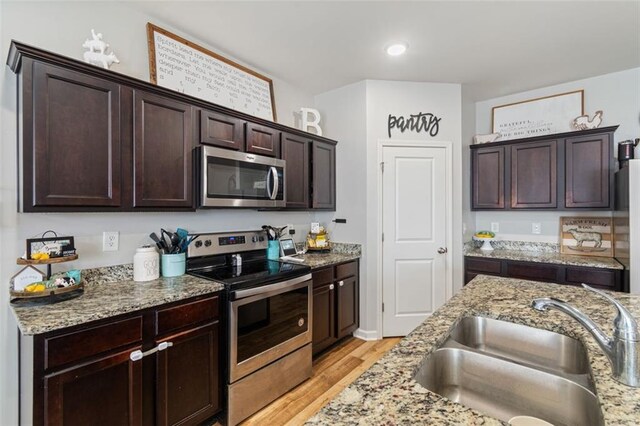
[{"x": 414, "y": 223}]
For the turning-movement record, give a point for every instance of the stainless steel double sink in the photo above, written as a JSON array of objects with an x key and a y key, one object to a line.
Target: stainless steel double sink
[{"x": 504, "y": 370}]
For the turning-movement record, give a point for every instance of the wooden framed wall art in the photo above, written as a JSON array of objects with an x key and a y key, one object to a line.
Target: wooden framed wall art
[
  {"x": 586, "y": 236},
  {"x": 181, "y": 65},
  {"x": 536, "y": 117}
]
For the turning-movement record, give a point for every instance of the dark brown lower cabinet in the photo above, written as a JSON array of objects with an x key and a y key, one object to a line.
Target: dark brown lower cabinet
[
  {"x": 607, "y": 279},
  {"x": 336, "y": 309},
  {"x": 90, "y": 374},
  {"x": 106, "y": 391},
  {"x": 188, "y": 394}
]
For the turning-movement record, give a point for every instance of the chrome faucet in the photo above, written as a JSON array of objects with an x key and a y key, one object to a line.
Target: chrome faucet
[{"x": 623, "y": 349}]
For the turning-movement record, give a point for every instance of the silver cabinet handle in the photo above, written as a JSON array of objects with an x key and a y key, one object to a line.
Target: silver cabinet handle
[
  {"x": 138, "y": 355},
  {"x": 341, "y": 283},
  {"x": 442, "y": 250},
  {"x": 331, "y": 287}
]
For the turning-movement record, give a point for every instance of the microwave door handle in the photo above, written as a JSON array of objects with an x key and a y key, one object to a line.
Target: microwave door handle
[
  {"x": 276, "y": 183},
  {"x": 269, "y": 193}
]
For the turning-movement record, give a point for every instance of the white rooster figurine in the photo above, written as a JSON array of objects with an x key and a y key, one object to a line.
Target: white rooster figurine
[{"x": 583, "y": 122}]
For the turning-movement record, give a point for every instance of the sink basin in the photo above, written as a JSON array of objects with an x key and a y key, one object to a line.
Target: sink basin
[
  {"x": 506, "y": 370},
  {"x": 522, "y": 344},
  {"x": 504, "y": 389}
]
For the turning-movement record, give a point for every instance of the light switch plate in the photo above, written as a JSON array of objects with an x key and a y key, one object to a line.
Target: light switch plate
[
  {"x": 536, "y": 228},
  {"x": 110, "y": 240},
  {"x": 495, "y": 227}
]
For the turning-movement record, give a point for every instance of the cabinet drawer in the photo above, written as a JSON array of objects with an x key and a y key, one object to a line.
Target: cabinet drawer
[
  {"x": 186, "y": 314},
  {"x": 322, "y": 277},
  {"x": 60, "y": 350},
  {"x": 489, "y": 266},
  {"x": 591, "y": 276},
  {"x": 346, "y": 270},
  {"x": 533, "y": 271}
]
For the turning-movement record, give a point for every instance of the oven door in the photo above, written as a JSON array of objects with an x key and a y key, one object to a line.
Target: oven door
[
  {"x": 238, "y": 179},
  {"x": 267, "y": 323}
]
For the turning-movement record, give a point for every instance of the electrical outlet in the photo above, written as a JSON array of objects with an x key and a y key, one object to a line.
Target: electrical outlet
[
  {"x": 495, "y": 227},
  {"x": 536, "y": 228},
  {"x": 110, "y": 240}
]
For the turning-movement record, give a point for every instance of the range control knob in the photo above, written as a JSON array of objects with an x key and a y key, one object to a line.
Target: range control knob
[
  {"x": 254, "y": 239},
  {"x": 198, "y": 244},
  {"x": 207, "y": 243},
  {"x": 261, "y": 239}
]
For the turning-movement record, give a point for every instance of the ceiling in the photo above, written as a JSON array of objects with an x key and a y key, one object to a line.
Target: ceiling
[{"x": 493, "y": 48}]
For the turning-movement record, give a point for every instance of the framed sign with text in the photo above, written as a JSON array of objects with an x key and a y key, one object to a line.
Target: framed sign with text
[
  {"x": 586, "y": 236},
  {"x": 537, "y": 117},
  {"x": 181, "y": 65}
]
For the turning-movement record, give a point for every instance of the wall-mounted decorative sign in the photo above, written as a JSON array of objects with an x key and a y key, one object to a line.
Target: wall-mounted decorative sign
[
  {"x": 421, "y": 122},
  {"x": 541, "y": 116},
  {"x": 586, "y": 236},
  {"x": 178, "y": 64}
]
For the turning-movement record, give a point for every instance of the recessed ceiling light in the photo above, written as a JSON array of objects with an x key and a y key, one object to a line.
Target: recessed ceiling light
[{"x": 396, "y": 49}]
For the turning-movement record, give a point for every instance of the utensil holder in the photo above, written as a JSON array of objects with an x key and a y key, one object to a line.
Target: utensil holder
[
  {"x": 173, "y": 265},
  {"x": 273, "y": 250}
]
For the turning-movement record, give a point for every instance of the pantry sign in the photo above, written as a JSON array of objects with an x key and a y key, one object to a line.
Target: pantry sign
[{"x": 422, "y": 122}]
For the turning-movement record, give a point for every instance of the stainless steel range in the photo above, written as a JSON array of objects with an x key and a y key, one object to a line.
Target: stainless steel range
[{"x": 269, "y": 311}]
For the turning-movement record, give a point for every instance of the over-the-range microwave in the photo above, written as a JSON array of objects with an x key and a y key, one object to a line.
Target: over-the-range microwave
[{"x": 239, "y": 179}]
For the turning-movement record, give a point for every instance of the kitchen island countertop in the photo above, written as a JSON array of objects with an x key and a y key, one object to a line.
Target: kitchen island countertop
[
  {"x": 387, "y": 393},
  {"x": 105, "y": 300}
]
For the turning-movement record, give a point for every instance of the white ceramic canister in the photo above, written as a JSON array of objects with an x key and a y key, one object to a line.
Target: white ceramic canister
[{"x": 146, "y": 264}]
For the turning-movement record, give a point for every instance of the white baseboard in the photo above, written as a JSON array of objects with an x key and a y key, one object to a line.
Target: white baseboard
[{"x": 366, "y": 334}]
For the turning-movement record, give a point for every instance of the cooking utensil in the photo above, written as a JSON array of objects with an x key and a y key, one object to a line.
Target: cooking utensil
[{"x": 159, "y": 243}]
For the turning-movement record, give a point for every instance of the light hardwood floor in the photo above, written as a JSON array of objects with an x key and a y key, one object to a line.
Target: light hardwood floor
[{"x": 332, "y": 372}]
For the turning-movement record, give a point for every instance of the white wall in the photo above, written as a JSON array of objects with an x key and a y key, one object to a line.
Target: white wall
[
  {"x": 617, "y": 94},
  {"x": 468, "y": 131},
  {"x": 61, "y": 27},
  {"x": 343, "y": 112}
]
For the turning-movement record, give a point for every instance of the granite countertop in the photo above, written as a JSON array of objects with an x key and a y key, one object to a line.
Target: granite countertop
[
  {"x": 386, "y": 394},
  {"x": 319, "y": 260},
  {"x": 104, "y": 300},
  {"x": 547, "y": 257}
]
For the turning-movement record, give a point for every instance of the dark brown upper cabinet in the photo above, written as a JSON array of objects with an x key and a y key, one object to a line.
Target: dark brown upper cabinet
[
  {"x": 222, "y": 130},
  {"x": 263, "y": 140},
  {"x": 323, "y": 181},
  {"x": 537, "y": 173},
  {"x": 71, "y": 140},
  {"x": 94, "y": 140},
  {"x": 589, "y": 171},
  {"x": 533, "y": 175},
  {"x": 295, "y": 151},
  {"x": 488, "y": 168},
  {"x": 162, "y": 147}
]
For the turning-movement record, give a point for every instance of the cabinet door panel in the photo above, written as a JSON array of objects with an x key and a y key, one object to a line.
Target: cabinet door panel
[
  {"x": 263, "y": 140},
  {"x": 533, "y": 175},
  {"x": 324, "y": 334},
  {"x": 295, "y": 151},
  {"x": 534, "y": 271},
  {"x": 347, "y": 306},
  {"x": 323, "y": 158},
  {"x": 488, "y": 170},
  {"x": 187, "y": 377},
  {"x": 74, "y": 157},
  {"x": 162, "y": 152},
  {"x": 221, "y": 130},
  {"x": 588, "y": 171},
  {"x": 107, "y": 391}
]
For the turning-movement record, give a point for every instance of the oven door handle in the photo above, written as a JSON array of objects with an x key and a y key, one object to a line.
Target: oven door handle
[{"x": 269, "y": 290}]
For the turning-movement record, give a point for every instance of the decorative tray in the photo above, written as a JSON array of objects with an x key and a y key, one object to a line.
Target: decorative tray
[{"x": 49, "y": 294}]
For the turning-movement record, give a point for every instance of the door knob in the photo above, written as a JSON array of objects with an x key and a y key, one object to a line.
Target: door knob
[{"x": 442, "y": 250}]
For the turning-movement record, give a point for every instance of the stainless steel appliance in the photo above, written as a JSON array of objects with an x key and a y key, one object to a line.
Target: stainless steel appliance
[
  {"x": 269, "y": 312},
  {"x": 238, "y": 179}
]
